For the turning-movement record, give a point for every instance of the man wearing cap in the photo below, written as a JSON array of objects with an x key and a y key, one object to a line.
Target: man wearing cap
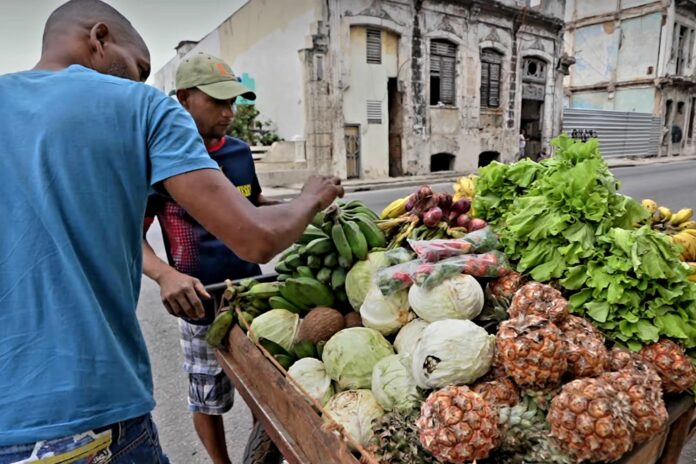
[{"x": 207, "y": 88}]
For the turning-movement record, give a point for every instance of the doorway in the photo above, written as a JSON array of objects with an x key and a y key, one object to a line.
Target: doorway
[
  {"x": 441, "y": 162},
  {"x": 395, "y": 110},
  {"x": 530, "y": 127},
  {"x": 352, "y": 139}
]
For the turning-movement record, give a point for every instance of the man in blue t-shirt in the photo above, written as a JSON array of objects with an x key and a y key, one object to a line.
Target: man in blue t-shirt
[
  {"x": 84, "y": 143},
  {"x": 195, "y": 256}
]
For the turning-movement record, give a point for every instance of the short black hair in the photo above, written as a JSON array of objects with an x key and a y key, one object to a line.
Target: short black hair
[{"x": 87, "y": 13}]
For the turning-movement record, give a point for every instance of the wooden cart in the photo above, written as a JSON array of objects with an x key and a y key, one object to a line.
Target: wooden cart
[{"x": 295, "y": 424}]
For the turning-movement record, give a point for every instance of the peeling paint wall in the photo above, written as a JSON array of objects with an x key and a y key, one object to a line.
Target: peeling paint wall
[
  {"x": 648, "y": 65},
  {"x": 368, "y": 82}
]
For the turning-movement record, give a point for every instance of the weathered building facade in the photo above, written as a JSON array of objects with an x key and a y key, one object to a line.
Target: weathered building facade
[
  {"x": 395, "y": 87},
  {"x": 636, "y": 56}
]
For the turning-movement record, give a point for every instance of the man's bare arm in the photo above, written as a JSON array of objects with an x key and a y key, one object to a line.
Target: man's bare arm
[
  {"x": 254, "y": 234},
  {"x": 180, "y": 293}
]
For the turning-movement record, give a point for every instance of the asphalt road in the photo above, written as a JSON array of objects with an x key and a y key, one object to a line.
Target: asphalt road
[{"x": 671, "y": 185}]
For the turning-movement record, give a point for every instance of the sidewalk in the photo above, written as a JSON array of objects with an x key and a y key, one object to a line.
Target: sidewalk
[{"x": 363, "y": 185}]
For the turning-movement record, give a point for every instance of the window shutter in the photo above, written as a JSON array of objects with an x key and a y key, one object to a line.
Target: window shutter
[
  {"x": 494, "y": 89},
  {"x": 484, "y": 83},
  {"x": 374, "y": 46},
  {"x": 447, "y": 81},
  {"x": 374, "y": 112}
]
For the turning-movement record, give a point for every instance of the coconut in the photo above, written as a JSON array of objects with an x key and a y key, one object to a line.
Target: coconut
[
  {"x": 320, "y": 324},
  {"x": 353, "y": 319}
]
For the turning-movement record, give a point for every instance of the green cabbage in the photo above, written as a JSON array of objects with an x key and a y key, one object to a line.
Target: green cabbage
[
  {"x": 350, "y": 355},
  {"x": 452, "y": 352},
  {"x": 409, "y": 335},
  {"x": 355, "y": 410},
  {"x": 311, "y": 375},
  {"x": 458, "y": 297},
  {"x": 393, "y": 384},
  {"x": 386, "y": 314},
  {"x": 277, "y": 325},
  {"x": 359, "y": 278}
]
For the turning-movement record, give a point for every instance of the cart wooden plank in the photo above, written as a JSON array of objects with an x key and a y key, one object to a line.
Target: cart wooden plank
[{"x": 288, "y": 418}]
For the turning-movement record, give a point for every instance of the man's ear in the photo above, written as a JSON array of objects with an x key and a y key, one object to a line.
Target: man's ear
[
  {"x": 98, "y": 36},
  {"x": 182, "y": 95}
]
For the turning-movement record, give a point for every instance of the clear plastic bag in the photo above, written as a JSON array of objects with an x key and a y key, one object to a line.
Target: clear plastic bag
[
  {"x": 479, "y": 241},
  {"x": 428, "y": 275}
]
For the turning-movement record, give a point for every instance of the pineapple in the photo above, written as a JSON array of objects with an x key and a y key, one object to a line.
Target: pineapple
[
  {"x": 642, "y": 387},
  {"x": 457, "y": 425},
  {"x": 533, "y": 351},
  {"x": 591, "y": 421},
  {"x": 500, "y": 391},
  {"x": 536, "y": 299},
  {"x": 396, "y": 440},
  {"x": 526, "y": 436},
  {"x": 622, "y": 359},
  {"x": 672, "y": 365},
  {"x": 587, "y": 354},
  {"x": 499, "y": 293}
]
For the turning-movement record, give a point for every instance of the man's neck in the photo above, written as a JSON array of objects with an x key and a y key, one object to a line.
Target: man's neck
[{"x": 212, "y": 143}]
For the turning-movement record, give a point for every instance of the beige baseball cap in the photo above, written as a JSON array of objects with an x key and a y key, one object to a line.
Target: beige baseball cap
[{"x": 212, "y": 76}]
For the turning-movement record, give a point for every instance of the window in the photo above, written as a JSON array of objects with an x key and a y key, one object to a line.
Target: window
[
  {"x": 690, "y": 50},
  {"x": 443, "y": 56},
  {"x": 374, "y": 46},
  {"x": 690, "y": 134},
  {"x": 668, "y": 112},
  {"x": 490, "y": 78},
  {"x": 374, "y": 112}
]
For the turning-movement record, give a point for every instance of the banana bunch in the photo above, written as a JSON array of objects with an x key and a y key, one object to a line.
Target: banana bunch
[
  {"x": 679, "y": 226},
  {"x": 313, "y": 271},
  {"x": 465, "y": 187},
  {"x": 248, "y": 294}
]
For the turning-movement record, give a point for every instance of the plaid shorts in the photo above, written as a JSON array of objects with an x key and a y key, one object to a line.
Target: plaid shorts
[{"x": 210, "y": 391}]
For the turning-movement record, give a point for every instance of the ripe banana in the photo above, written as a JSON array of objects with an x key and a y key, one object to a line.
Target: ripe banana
[
  {"x": 650, "y": 205},
  {"x": 356, "y": 240},
  {"x": 395, "y": 209},
  {"x": 681, "y": 216},
  {"x": 341, "y": 243},
  {"x": 687, "y": 225},
  {"x": 665, "y": 214}
]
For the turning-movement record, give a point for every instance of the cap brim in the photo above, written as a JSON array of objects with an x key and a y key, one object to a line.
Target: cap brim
[{"x": 226, "y": 90}]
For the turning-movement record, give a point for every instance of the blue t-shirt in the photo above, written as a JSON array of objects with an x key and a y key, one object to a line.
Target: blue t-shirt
[
  {"x": 190, "y": 248},
  {"x": 79, "y": 154}
]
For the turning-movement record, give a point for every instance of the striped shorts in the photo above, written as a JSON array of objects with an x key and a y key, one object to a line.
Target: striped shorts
[{"x": 210, "y": 390}]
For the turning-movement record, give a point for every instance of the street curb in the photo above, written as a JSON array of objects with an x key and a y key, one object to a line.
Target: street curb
[{"x": 378, "y": 186}]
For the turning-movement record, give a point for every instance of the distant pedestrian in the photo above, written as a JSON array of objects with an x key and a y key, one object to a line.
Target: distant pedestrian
[{"x": 523, "y": 145}]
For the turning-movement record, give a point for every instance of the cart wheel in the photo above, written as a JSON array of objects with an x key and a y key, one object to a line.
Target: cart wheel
[{"x": 260, "y": 449}]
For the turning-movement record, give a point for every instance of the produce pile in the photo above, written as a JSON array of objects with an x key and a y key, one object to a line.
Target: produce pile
[{"x": 538, "y": 316}]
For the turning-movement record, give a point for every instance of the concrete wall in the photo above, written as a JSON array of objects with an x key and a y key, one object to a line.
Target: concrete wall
[
  {"x": 639, "y": 47},
  {"x": 261, "y": 43},
  {"x": 596, "y": 53},
  {"x": 369, "y": 82},
  {"x": 640, "y": 100}
]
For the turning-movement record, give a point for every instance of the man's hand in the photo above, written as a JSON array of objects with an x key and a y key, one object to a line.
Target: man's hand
[
  {"x": 181, "y": 294},
  {"x": 324, "y": 188}
]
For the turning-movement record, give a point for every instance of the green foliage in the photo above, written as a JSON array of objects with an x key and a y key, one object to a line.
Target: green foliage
[
  {"x": 245, "y": 126},
  {"x": 563, "y": 219}
]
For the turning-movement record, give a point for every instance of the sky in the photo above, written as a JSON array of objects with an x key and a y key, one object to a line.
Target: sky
[{"x": 162, "y": 23}]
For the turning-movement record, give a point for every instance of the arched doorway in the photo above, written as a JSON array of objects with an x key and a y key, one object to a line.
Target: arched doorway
[
  {"x": 441, "y": 162},
  {"x": 487, "y": 157}
]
